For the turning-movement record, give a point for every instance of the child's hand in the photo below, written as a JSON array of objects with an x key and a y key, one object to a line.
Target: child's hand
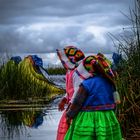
[
  {"x": 68, "y": 120},
  {"x": 62, "y": 103},
  {"x": 61, "y": 106}
]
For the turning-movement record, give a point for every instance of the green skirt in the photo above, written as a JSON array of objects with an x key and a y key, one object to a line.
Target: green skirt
[{"x": 95, "y": 125}]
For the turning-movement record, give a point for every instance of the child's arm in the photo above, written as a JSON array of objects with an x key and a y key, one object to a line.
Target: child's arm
[
  {"x": 77, "y": 80},
  {"x": 77, "y": 103},
  {"x": 61, "y": 105}
]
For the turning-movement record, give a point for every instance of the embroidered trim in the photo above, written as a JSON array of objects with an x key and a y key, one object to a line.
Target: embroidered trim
[{"x": 100, "y": 107}]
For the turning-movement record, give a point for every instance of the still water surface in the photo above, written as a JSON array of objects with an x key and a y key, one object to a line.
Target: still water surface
[{"x": 30, "y": 123}]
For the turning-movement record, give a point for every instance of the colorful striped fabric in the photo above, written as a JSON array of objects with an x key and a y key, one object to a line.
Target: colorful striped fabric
[
  {"x": 95, "y": 64},
  {"x": 70, "y": 56}
]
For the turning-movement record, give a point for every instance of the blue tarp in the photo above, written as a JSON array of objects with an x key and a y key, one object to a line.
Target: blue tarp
[
  {"x": 116, "y": 58},
  {"x": 16, "y": 59},
  {"x": 37, "y": 60}
]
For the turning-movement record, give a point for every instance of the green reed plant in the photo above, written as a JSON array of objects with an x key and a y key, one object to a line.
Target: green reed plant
[
  {"x": 21, "y": 81},
  {"x": 128, "y": 81},
  {"x": 54, "y": 70},
  {"x": 8, "y": 76}
]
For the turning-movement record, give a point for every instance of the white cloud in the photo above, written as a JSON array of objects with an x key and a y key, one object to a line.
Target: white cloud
[{"x": 98, "y": 33}]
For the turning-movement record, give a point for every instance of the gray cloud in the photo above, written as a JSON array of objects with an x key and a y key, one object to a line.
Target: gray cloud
[
  {"x": 44, "y": 25},
  {"x": 20, "y": 11}
]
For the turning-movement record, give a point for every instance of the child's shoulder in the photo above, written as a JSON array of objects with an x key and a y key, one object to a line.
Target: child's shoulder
[
  {"x": 95, "y": 79},
  {"x": 90, "y": 80}
]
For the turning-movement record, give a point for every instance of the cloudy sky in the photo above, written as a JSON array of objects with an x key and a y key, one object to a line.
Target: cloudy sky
[{"x": 41, "y": 26}]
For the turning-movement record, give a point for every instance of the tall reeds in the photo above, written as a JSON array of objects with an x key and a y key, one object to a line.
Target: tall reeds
[
  {"x": 21, "y": 81},
  {"x": 54, "y": 70},
  {"x": 128, "y": 81}
]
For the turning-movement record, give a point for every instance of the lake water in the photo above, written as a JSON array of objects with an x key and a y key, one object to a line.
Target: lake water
[{"x": 30, "y": 123}]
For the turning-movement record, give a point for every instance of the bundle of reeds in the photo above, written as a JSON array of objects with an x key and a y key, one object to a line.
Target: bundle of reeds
[{"x": 22, "y": 81}]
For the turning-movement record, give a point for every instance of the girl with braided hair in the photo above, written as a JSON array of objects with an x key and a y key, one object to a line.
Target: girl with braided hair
[
  {"x": 70, "y": 58},
  {"x": 92, "y": 109}
]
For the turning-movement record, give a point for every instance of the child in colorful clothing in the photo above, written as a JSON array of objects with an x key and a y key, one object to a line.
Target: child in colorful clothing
[
  {"x": 70, "y": 57},
  {"x": 92, "y": 108}
]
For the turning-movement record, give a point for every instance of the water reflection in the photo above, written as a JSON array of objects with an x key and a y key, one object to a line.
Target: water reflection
[{"x": 29, "y": 124}]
